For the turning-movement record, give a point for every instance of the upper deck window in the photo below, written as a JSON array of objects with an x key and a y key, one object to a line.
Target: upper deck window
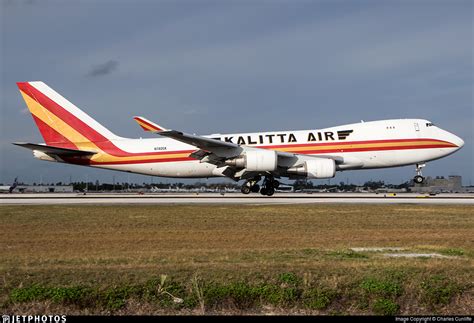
[{"x": 429, "y": 124}]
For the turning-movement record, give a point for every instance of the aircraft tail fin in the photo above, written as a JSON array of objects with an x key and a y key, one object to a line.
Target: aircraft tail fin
[
  {"x": 14, "y": 185},
  {"x": 60, "y": 122}
]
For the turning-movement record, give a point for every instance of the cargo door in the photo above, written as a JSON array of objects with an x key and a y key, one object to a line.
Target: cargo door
[{"x": 417, "y": 129}]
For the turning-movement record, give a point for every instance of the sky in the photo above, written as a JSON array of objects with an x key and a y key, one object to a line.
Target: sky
[{"x": 238, "y": 66}]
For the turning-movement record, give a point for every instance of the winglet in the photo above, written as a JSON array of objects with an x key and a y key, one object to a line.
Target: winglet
[{"x": 147, "y": 125}]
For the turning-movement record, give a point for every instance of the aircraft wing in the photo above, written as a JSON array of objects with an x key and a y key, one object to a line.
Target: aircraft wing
[
  {"x": 219, "y": 148},
  {"x": 198, "y": 141},
  {"x": 55, "y": 150},
  {"x": 216, "y": 151}
]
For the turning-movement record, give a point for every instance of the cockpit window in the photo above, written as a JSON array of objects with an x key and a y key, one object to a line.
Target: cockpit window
[{"x": 429, "y": 124}]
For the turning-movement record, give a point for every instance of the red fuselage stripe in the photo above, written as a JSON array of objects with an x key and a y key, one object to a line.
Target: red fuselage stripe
[
  {"x": 383, "y": 141},
  {"x": 307, "y": 152},
  {"x": 126, "y": 162}
]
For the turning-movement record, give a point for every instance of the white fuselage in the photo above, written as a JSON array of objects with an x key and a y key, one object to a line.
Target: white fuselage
[
  {"x": 72, "y": 136},
  {"x": 375, "y": 144}
]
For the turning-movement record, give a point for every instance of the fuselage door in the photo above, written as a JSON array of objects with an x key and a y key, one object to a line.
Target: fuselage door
[{"x": 417, "y": 129}]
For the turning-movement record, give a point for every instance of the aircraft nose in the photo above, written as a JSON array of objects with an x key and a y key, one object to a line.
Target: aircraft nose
[{"x": 457, "y": 141}]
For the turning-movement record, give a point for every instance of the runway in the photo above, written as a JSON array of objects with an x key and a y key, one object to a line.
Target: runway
[{"x": 233, "y": 198}]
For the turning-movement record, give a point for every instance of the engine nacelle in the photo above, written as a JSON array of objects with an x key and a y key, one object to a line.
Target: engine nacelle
[
  {"x": 315, "y": 168},
  {"x": 256, "y": 161}
]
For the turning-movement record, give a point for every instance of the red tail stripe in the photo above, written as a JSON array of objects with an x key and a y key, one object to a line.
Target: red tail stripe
[
  {"x": 61, "y": 113},
  {"x": 95, "y": 137},
  {"x": 52, "y": 137}
]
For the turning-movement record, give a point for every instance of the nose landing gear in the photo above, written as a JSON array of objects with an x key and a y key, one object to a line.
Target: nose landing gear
[{"x": 418, "y": 179}]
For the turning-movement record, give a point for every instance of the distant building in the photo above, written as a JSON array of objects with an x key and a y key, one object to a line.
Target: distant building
[
  {"x": 439, "y": 184},
  {"x": 46, "y": 189}
]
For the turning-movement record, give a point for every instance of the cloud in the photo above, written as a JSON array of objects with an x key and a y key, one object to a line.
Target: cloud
[{"x": 103, "y": 69}]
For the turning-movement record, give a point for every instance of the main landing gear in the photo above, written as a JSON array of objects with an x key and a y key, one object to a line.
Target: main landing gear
[
  {"x": 251, "y": 185},
  {"x": 268, "y": 187},
  {"x": 418, "y": 179}
]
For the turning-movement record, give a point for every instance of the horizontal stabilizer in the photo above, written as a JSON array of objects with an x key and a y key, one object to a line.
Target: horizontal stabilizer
[{"x": 55, "y": 150}]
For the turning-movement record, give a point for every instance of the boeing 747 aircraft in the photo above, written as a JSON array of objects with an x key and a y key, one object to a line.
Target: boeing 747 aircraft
[{"x": 71, "y": 136}]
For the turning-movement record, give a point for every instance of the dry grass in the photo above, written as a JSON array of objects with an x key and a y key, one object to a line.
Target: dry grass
[{"x": 107, "y": 245}]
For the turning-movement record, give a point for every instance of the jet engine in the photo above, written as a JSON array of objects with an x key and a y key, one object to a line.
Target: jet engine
[
  {"x": 315, "y": 168},
  {"x": 255, "y": 161}
]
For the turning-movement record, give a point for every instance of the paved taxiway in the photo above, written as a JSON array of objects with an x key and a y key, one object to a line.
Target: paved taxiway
[{"x": 232, "y": 198}]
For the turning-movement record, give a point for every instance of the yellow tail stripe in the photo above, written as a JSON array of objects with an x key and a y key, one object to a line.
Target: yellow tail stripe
[
  {"x": 58, "y": 125},
  {"x": 79, "y": 140}
]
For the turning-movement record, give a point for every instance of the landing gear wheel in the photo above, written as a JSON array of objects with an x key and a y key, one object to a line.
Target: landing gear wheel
[
  {"x": 270, "y": 191},
  {"x": 269, "y": 185},
  {"x": 255, "y": 188},
  {"x": 418, "y": 179},
  {"x": 251, "y": 185},
  {"x": 275, "y": 184},
  {"x": 245, "y": 189}
]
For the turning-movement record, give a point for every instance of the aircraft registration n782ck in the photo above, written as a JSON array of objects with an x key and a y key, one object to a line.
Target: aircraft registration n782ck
[{"x": 71, "y": 136}]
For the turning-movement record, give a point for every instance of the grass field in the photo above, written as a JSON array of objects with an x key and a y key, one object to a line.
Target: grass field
[{"x": 236, "y": 259}]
